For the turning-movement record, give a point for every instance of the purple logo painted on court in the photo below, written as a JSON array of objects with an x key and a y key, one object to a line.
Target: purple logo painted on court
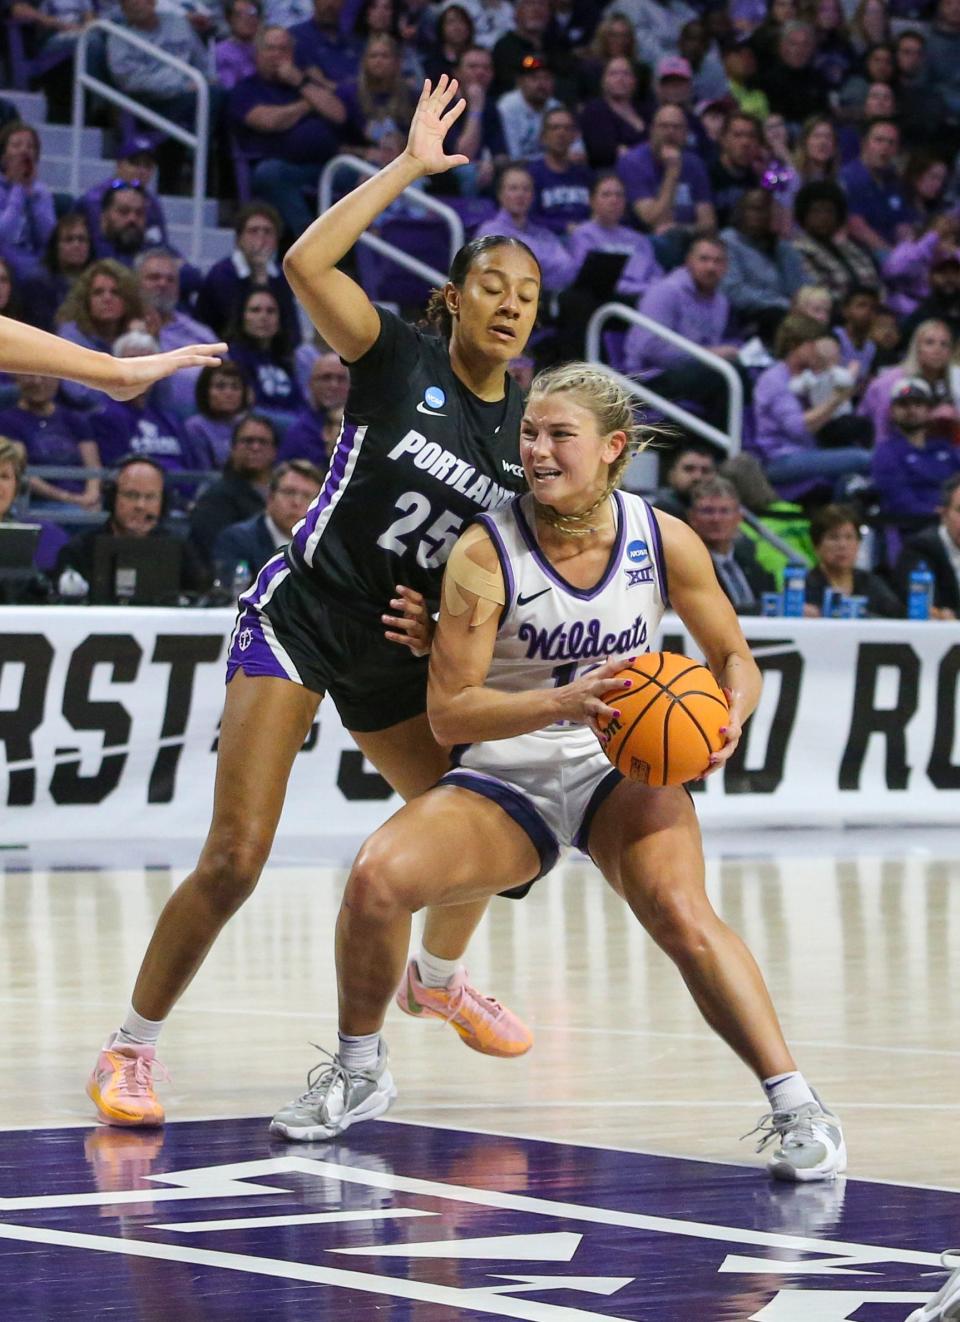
[{"x": 404, "y": 1222}]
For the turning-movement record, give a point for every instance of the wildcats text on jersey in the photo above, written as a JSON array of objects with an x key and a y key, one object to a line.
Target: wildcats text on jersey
[
  {"x": 446, "y": 467},
  {"x": 582, "y": 640}
]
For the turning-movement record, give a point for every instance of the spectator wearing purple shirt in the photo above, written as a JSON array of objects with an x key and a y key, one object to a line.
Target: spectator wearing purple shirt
[
  {"x": 596, "y": 283},
  {"x": 142, "y": 425},
  {"x": 124, "y": 221},
  {"x": 27, "y": 214},
  {"x": 263, "y": 353},
  {"x": 910, "y": 465},
  {"x": 100, "y": 306},
  {"x": 158, "y": 274},
  {"x": 322, "y": 48},
  {"x": 689, "y": 302},
  {"x": 289, "y": 122},
  {"x": 857, "y": 312},
  {"x": 235, "y": 57},
  {"x": 561, "y": 185},
  {"x": 515, "y": 196},
  {"x": 929, "y": 356},
  {"x": 252, "y": 265},
  {"x": 789, "y": 437},
  {"x": 667, "y": 187},
  {"x": 123, "y": 230},
  {"x": 136, "y": 165},
  {"x": 605, "y": 232},
  {"x": 54, "y": 436},
  {"x": 314, "y": 431},
  {"x": 907, "y": 269},
  {"x": 13, "y": 463},
  {"x": 612, "y": 123},
  {"x": 222, "y": 398},
  {"x": 880, "y": 214}
]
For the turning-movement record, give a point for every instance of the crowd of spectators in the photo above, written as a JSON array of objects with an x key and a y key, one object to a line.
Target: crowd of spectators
[{"x": 775, "y": 182}]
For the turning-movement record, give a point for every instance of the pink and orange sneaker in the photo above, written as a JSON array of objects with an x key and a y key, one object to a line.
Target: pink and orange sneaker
[
  {"x": 121, "y": 1086},
  {"x": 482, "y": 1022}
]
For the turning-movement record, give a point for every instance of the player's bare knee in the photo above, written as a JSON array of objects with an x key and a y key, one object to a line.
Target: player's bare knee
[
  {"x": 682, "y": 926},
  {"x": 375, "y": 890},
  {"x": 229, "y": 870}
]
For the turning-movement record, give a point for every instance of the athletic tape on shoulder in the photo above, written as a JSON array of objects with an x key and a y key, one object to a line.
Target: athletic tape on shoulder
[{"x": 464, "y": 573}]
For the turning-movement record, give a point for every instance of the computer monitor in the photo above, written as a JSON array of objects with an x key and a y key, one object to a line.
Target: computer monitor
[
  {"x": 600, "y": 272},
  {"x": 18, "y": 546},
  {"x": 136, "y": 571}
]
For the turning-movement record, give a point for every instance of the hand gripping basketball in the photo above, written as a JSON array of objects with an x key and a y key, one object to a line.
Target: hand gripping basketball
[
  {"x": 672, "y": 723},
  {"x": 585, "y": 701}
]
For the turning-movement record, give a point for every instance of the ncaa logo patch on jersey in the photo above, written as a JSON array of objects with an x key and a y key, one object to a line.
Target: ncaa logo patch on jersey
[
  {"x": 434, "y": 397},
  {"x": 638, "y": 553}
]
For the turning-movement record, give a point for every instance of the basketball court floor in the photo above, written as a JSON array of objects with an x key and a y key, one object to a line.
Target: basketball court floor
[{"x": 601, "y": 1176}]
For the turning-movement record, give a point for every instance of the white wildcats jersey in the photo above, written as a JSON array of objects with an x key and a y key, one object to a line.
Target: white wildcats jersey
[{"x": 550, "y": 630}]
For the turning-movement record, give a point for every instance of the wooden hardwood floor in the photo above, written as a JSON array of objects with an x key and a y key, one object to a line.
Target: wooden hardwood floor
[{"x": 854, "y": 934}]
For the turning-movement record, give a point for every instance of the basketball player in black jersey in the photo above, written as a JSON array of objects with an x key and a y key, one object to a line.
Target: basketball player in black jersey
[{"x": 430, "y": 437}]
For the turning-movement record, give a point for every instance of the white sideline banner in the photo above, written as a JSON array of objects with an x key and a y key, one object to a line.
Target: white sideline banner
[{"x": 109, "y": 718}]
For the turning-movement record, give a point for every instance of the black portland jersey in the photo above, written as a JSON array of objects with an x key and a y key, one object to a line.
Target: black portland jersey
[{"x": 418, "y": 456}]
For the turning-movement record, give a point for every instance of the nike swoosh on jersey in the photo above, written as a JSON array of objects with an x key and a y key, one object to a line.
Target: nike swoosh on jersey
[
  {"x": 523, "y": 601},
  {"x": 431, "y": 413}
]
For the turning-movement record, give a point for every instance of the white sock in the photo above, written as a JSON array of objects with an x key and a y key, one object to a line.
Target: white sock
[
  {"x": 434, "y": 971},
  {"x": 135, "y": 1031},
  {"x": 785, "y": 1092},
  {"x": 359, "y": 1053}
]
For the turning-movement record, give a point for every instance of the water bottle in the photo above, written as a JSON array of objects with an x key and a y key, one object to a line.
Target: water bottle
[
  {"x": 241, "y": 577},
  {"x": 867, "y": 552},
  {"x": 920, "y": 597},
  {"x": 794, "y": 589}
]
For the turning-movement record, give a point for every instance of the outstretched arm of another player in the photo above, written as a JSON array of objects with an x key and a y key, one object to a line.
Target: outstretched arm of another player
[
  {"x": 700, "y": 602},
  {"x": 26, "y": 349},
  {"x": 337, "y": 306},
  {"x": 461, "y": 708}
]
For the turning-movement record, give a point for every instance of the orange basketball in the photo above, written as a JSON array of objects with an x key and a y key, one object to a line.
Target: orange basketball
[{"x": 669, "y": 722}]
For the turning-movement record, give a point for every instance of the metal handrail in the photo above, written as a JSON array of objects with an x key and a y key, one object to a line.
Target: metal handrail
[
  {"x": 196, "y": 141},
  {"x": 729, "y": 441},
  {"x": 446, "y": 214}
]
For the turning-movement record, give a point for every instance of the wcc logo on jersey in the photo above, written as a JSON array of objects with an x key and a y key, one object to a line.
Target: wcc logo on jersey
[{"x": 639, "y": 567}]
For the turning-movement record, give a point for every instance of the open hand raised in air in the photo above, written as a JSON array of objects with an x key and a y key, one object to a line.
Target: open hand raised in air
[{"x": 436, "y": 112}]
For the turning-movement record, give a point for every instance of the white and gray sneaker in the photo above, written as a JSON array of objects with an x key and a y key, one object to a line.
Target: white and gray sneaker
[
  {"x": 945, "y": 1304},
  {"x": 336, "y": 1098},
  {"x": 809, "y": 1141}
]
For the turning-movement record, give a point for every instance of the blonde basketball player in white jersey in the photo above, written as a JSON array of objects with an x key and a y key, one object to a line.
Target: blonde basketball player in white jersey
[{"x": 542, "y": 603}]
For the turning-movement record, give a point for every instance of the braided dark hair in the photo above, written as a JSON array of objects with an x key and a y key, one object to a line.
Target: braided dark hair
[{"x": 437, "y": 315}]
